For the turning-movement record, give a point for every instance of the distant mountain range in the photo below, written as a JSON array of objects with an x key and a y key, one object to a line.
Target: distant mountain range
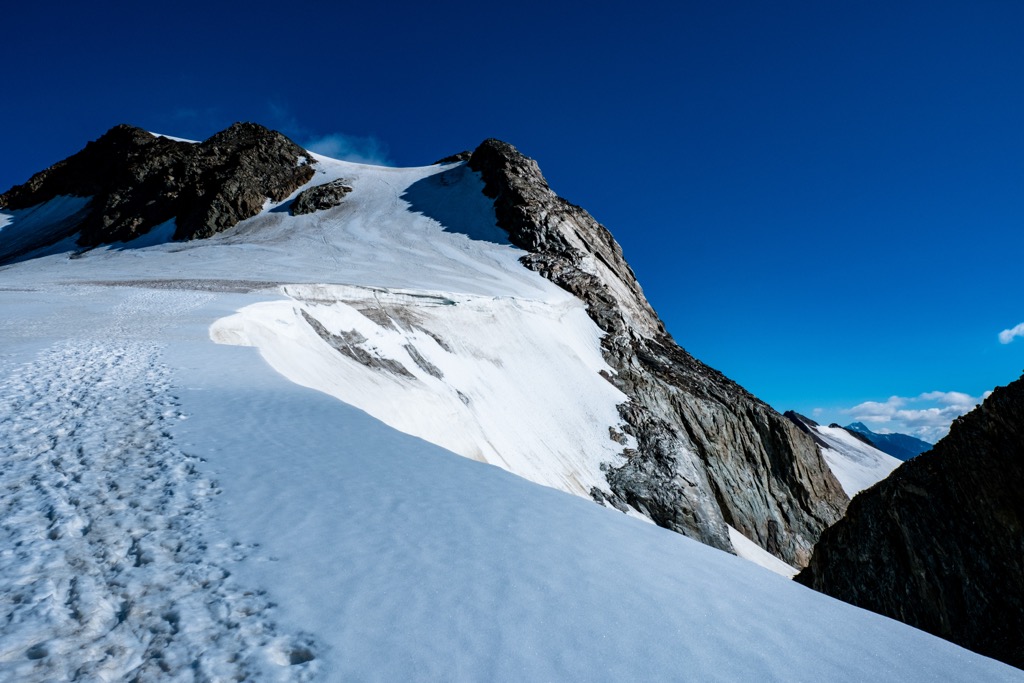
[{"x": 900, "y": 446}]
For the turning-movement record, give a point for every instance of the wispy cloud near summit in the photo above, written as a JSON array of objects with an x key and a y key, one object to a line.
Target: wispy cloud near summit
[
  {"x": 355, "y": 148},
  {"x": 360, "y": 149}
]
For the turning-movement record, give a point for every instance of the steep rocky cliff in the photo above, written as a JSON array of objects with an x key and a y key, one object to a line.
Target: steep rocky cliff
[
  {"x": 138, "y": 180},
  {"x": 709, "y": 453},
  {"x": 939, "y": 544}
]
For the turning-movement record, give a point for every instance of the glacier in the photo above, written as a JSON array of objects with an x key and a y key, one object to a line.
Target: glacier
[{"x": 185, "y": 495}]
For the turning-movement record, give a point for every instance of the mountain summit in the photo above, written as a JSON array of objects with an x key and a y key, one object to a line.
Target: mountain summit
[
  {"x": 704, "y": 456},
  {"x": 271, "y": 416},
  {"x": 137, "y": 181}
]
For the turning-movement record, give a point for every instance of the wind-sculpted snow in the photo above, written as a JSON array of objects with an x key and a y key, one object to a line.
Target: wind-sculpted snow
[
  {"x": 106, "y": 570},
  {"x": 510, "y": 381}
]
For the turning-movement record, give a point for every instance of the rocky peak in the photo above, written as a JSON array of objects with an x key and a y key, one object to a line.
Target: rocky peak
[
  {"x": 138, "y": 180},
  {"x": 939, "y": 544},
  {"x": 708, "y": 452},
  {"x": 559, "y": 233}
]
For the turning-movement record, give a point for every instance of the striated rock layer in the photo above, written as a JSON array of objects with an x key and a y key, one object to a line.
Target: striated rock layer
[
  {"x": 138, "y": 180},
  {"x": 709, "y": 453},
  {"x": 939, "y": 544}
]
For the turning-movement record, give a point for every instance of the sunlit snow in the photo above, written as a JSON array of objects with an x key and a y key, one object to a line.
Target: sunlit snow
[
  {"x": 857, "y": 465},
  {"x": 174, "y": 508}
]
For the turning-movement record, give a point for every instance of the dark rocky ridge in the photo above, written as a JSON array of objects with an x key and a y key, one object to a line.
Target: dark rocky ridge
[
  {"x": 709, "y": 453},
  {"x": 939, "y": 544},
  {"x": 138, "y": 181}
]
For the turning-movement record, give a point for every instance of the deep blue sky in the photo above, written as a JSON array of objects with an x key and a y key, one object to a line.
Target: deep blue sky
[{"x": 825, "y": 200}]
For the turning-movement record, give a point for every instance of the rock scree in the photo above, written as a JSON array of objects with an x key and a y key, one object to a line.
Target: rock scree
[
  {"x": 939, "y": 543},
  {"x": 320, "y": 197},
  {"x": 709, "y": 453}
]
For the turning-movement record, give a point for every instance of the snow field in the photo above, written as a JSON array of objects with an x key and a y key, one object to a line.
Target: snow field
[
  {"x": 106, "y": 571},
  {"x": 855, "y": 464},
  {"x": 278, "y": 523},
  {"x": 410, "y": 562}
]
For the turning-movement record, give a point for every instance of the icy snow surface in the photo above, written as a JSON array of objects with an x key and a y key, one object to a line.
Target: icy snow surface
[
  {"x": 855, "y": 464},
  {"x": 509, "y": 381},
  {"x": 175, "y": 509}
]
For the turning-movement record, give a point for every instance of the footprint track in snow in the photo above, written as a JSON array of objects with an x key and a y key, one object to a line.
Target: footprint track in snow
[{"x": 107, "y": 572}]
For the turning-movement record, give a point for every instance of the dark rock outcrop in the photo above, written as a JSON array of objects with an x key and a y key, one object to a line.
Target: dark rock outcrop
[
  {"x": 708, "y": 452},
  {"x": 455, "y": 158},
  {"x": 138, "y": 180},
  {"x": 320, "y": 197},
  {"x": 939, "y": 544}
]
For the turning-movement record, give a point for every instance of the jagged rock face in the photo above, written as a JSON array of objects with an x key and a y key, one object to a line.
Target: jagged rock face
[
  {"x": 320, "y": 197},
  {"x": 138, "y": 181},
  {"x": 939, "y": 544},
  {"x": 708, "y": 452}
]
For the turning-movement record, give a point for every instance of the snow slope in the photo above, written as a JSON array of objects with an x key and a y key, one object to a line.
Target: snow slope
[
  {"x": 856, "y": 464},
  {"x": 473, "y": 336},
  {"x": 510, "y": 381},
  {"x": 321, "y": 544},
  {"x": 175, "y": 509}
]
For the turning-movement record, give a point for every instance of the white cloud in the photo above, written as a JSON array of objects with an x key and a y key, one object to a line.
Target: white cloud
[
  {"x": 356, "y": 148},
  {"x": 926, "y": 416},
  {"x": 1007, "y": 336},
  {"x": 949, "y": 398}
]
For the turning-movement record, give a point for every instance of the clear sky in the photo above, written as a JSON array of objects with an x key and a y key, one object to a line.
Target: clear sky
[{"x": 824, "y": 200}]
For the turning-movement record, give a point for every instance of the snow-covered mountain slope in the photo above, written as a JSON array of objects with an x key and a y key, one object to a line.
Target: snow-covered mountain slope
[
  {"x": 180, "y": 510},
  {"x": 446, "y": 336},
  {"x": 177, "y": 508},
  {"x": 856, "y": 463},
  {"x": 686, "y": 447}
]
